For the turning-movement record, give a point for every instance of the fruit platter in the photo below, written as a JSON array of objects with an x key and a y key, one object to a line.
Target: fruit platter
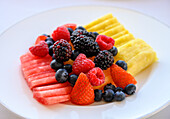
[
  {"x": 107, "y": 65},
  {"x": 84, "y": 64}
]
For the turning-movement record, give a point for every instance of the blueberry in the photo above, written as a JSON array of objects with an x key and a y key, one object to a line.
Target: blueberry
[
  {"x": 61, "y": 75},
  {"x": 109, "y": 86},
  {"x": 49, "y": 39},
  {"x": 114, "y": 51},
  {"x": 108, "y": 95},
  {"x": 45, "y": 35},
  {"x": 98, "y": 95},
  {"x": 56, "y": 65},
  {"x": 80, "y": 27},
  {"x": 119, "y": 96},
  {"x": 130, "y": 89},
  {"x": 51, "y": 50},
  {"x": 72, "y": 79},
  {"x": 96, "y": 34},
  {"x": 118, "y": 89},
  {"x": 68, "y": 67},
  {"x": 49, "y": 43},
  {"x": 74, "y": 54},
  {"x": 70, "y": 30},
  {"x": 122, "y": 64},
  {"x": 90, "y": 34}
]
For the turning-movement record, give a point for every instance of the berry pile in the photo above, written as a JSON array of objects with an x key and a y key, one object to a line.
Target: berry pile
[{"x": 54, "y": 80}]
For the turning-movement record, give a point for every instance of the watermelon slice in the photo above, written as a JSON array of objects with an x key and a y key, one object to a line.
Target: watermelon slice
[
  {"x": 53, "y": 92},
  {"x": 37, "y": 70},
  {"x": 46, "y": 74},
  {"x": 43, "y": 81},
  {"x": 52, "y": 86},
  {"x": 53, "y": 100}
]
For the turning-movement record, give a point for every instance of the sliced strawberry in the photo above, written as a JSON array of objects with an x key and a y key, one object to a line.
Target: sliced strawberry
[
  {"x": 53, "y": 92},
  {"x": 52, "y": 86},
  {"x": 40, "y": 38},
  {"x": 53, "y": 100},
  {"x": 43, "y": 81},
  {"x": 71, "y": 25}
]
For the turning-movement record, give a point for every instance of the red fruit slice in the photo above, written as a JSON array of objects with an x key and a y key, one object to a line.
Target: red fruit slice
[
  {"x": 82, "y": 64},
  {"x": 96, "y": 76},
  {"x": 52, "y": 86},
  {"x": 120, "y": 77},
  {"x": 40, "y": 38},
  {"x": 53, "y": 92},
  {"x": 37, "y": 70},
  {"x": 71, "y": 25},
  {"x": 41, "y": 76},
  {"x": 82, "y": 92},
  {"x": 104, "y": 42},
  {"x": 43, "y": 81},
  {"x": 53, "y": 100}
]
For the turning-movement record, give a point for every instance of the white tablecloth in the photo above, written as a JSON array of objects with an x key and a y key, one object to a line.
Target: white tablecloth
[{"x": 12, "y": 11}]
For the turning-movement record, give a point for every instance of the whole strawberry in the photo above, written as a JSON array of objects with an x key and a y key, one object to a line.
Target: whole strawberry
[
  {"x": 61, "y": 33},
  {"x": 40, "y": 50},
  {"x": 82, "y": 92},
  {"x": 120, "y": 77},
  {"x": 82, "y": 64}
]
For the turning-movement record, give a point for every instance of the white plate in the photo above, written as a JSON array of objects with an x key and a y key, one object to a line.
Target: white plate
[{"x": 153, "y": 83}]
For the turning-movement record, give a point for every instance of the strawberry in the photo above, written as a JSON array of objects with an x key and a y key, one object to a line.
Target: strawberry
[
  {"x": 40, "y": 49},
  {"x": 40, "y": 38},
  {"x": 120, "y": 77},
  {"x": 105, "y": 42},
  {"x": 61, "y": 33},
  {"x": 82, "y": 64},
  {"x": 71, "y": 25},
  {"x": 82, "y": 92}
]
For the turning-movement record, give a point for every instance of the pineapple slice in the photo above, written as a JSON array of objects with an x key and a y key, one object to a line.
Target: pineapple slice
[
  {"x": 120, "y": 34},
  {"x": 103, "y": 26},
  {"x": 141, "y": 61},
  {"x": 131, "y": 49},
  {"x": 123, "y": 39},
  {"x": 114, "y": 30},
  {"x": 99, "y": 20}
]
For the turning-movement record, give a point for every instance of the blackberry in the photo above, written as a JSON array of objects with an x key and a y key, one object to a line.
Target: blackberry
[
  {"x": 77, "y": 33},
  {"x": 62, "y": 50},
  {"x": 104, "y": 59},
  {"x": 86, "y": 45}
]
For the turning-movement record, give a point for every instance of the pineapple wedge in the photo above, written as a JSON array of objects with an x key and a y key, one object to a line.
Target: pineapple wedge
[
  {"x": 141, "y": 61},
  {"x": 123, "y": 39},
  {"x": 120, "y": 34},
  {"x": 131, "y": 49}
]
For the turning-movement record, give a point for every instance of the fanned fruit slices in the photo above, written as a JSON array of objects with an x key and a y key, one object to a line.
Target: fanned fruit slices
[{"x": 41, "y": 80}]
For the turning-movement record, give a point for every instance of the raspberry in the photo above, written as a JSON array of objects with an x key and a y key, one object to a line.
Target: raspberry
[
  {"x": 105, "y": 43},
  {"x": 71, "y": 25},
  {"x": 62, "y": 50},
  {"x": 40, "y": 49},
  {"x": 120, "y": 77},
  {"x": 96, "y": 76},
  {"x": 61, "y": 33},
  {"x": 40, "y": 38},
  {"x": 82, "y": 64},
  {"x": 82, "y": 92}
]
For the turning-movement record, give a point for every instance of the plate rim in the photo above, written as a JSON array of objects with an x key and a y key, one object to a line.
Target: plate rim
[{"x": 87, "y": 5}]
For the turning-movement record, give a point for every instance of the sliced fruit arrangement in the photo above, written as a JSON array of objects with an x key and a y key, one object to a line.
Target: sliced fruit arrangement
[
  {"x": 130, "y": 49},
  {"x": 85, "y": 64}
]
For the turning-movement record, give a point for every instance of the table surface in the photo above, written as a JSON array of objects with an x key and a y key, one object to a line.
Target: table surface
[{"x": 13, "y": 11}]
